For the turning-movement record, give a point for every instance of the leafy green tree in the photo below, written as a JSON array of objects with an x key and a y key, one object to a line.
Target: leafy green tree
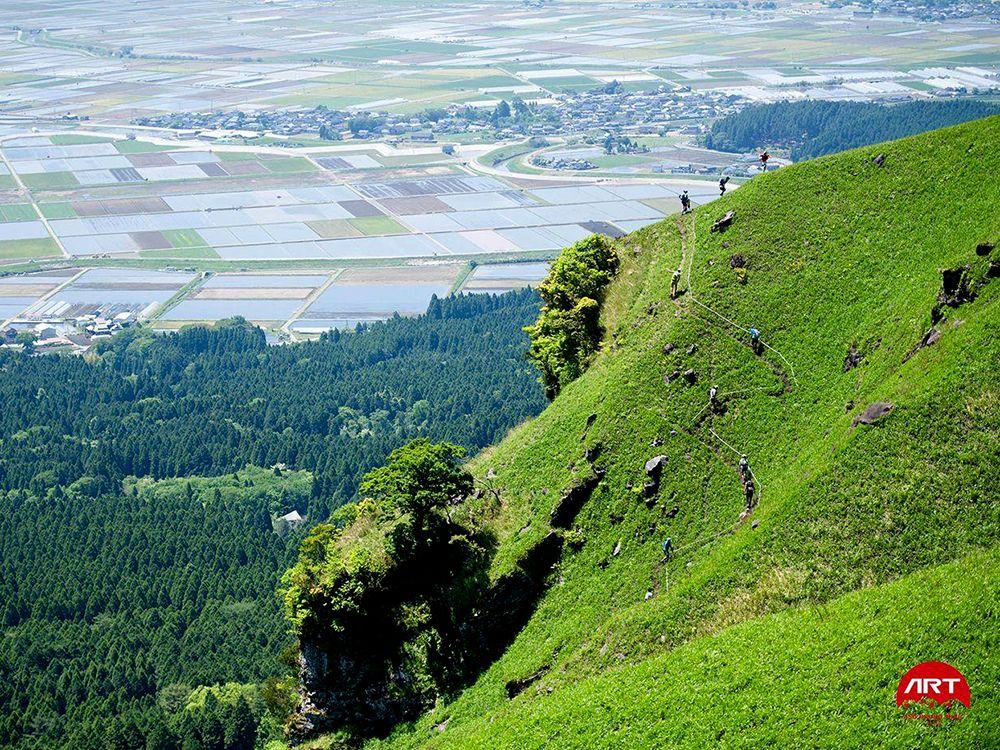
[
  {"x": 27, "y": 341},
  {"x": 567, "y": 331},
  {"x": 159, "y": 737},
  {"x": 501, "y": 112},
  {"x": 240, "y": 726},
  {"x": 419, "y": 478}
]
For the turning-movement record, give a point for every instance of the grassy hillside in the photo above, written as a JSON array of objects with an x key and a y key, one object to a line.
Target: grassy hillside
[
  {"x": 810, "y": 676},
  {"x": 841, "y": 256}
]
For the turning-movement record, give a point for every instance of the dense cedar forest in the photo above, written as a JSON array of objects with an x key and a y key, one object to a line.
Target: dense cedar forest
[
  {"x": 208, "y": 401},
  {"x": 814, "y": 128},
  {"x": 120, "y": 595}
]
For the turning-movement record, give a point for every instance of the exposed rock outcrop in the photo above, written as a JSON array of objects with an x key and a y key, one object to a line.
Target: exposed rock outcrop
[
  {"x": 954, "y": 292},
  {"x": 853, "y": 358},
  {"x": 722, "y": 224},
  {"x": 516, "y": 687},
  {"x": 573, "y": 499},
  {"x": 654, "y": 466},
  {"x": 873, "y": 413}
]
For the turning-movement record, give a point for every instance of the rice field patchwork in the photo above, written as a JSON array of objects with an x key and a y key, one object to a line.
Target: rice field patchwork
[
  {"x": 310, "y": 302},
  {"x": 260, "y": 298},
  {"x": 108, "y": 292},
  {"x": 18, "y": 293},
  {"x": 497, "y": 278},
  {"x": 397, "y": 57},
  {"x": 172, "y": 211}
]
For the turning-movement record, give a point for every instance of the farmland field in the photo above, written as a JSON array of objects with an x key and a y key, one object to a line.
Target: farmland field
[
  {"x": 111, "y": 201},
  {"x": 227, "y": 178}
]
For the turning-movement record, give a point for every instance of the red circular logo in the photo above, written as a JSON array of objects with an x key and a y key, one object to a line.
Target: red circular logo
[{"x": 933, "y": 683}]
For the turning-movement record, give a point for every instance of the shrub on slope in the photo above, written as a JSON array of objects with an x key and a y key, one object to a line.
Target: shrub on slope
[{"x": 568, "y": 329}]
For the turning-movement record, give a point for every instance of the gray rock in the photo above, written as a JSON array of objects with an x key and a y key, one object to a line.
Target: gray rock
[
  {"x": 873, "y": 413},
  {"x": 654, "y": 466},
  {"x": 853, "y": 358},
  {"x": 721, "y": 224}
]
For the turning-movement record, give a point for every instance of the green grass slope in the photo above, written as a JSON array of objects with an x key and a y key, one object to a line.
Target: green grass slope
[
  {"x": 840, "y": 253},
  {"x": 807, "y": 677}
]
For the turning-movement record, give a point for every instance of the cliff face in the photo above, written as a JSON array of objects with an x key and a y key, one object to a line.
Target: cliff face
[{"x": 369, "y": 674}]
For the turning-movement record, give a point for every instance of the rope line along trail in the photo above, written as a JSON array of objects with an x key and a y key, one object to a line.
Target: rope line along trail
[
  {"x": 705, "y": 539},
  {"x": 726, "y": 394},
  {"x": 689, "y": 292}
]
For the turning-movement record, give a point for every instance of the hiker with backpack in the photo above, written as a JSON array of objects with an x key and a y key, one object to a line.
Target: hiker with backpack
[
  {"x": 722, "y": 185},
  {"x": 764, "y": 156},
  {"x": 755, "y": 341},
  {"x": 674, "y": 282},
  {"x": 685, "y": 202}
]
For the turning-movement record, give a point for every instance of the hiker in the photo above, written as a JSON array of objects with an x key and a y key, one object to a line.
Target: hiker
[
  {"x": 755, "y": 340},
  {"x": 744, "y": 467},
  {"x": 764, "y": 156},
  {"x": 668, "y": 547},
  {"x": 722, "y": 185},
  {"x": 674, "y": 282},
  {"x": 748, "y": 489},
  {"x": 685, "y": 202},
  {"x": 713, "y": 392}
]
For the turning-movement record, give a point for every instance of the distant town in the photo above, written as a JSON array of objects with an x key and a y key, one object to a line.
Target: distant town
[{"x": 611, "y": 108}]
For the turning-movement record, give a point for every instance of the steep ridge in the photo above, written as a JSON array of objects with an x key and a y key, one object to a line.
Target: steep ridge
[{"x": 839, "y": 263}]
